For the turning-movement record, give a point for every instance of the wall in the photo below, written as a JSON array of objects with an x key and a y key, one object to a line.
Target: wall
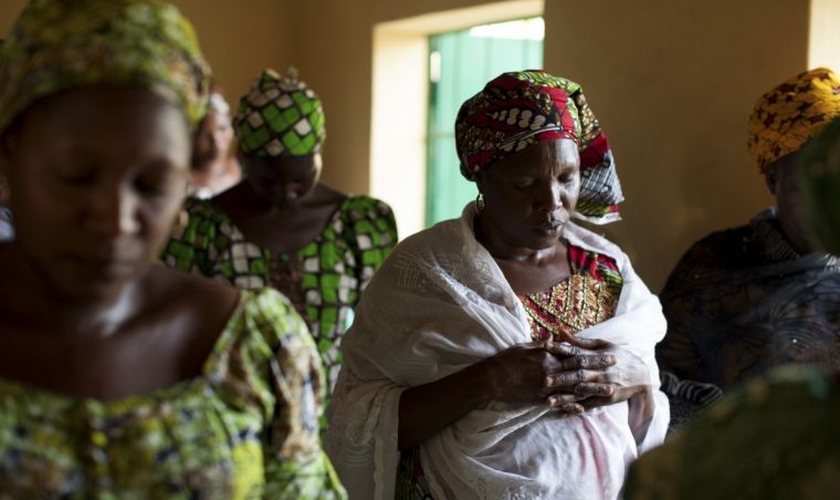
[
  {"x": 673, "y": 91},
  {"x": 824, "y": 39},
  {"x": 238, "y": 38}
]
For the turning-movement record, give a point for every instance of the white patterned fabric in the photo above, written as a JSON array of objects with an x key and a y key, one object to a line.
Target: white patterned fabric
[{"x": 439, "y": 304}]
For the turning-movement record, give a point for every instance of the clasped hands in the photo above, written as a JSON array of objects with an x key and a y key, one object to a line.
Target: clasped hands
[{"x": 569, "y": 378}]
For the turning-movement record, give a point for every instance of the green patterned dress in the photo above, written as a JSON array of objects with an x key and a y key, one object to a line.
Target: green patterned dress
[
  {"x": 246, "y": 428},
  {"x": 324, "y": 279}
]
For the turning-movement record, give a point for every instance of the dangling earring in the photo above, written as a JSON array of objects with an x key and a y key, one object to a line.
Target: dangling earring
[{"x": 479, "y": 203}]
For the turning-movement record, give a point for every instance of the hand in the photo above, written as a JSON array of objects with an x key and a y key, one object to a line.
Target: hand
[
  {"x": 533, "y": 373},
  {"x": 600, "y": 386}
]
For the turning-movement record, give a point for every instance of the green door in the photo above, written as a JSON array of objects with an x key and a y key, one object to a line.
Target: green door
[{"x": 461, "y": 63}]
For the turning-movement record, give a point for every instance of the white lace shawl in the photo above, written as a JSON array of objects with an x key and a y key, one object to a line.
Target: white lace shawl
[{"x": 439, "y": 304}]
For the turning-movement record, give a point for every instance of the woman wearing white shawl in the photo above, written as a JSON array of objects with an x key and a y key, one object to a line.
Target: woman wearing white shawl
[{"x": 510, "y": 353}]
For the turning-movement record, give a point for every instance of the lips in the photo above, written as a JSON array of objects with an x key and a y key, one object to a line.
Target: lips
[
  {"x": 105, "y": 266},
  {"x": 550, "y": 225}
]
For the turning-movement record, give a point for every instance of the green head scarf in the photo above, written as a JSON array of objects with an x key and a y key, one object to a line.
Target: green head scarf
[
  {"x": 280, "y": 116},
  {"x": 58, "y": 45}
]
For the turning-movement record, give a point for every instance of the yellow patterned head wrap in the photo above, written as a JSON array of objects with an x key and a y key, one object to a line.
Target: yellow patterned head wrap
[
  {"x": 57, "y": 45},
  {"x": 789, "y": 115}
]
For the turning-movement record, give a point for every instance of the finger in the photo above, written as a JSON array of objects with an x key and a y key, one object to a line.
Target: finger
[
  {"x": 592, "y": 344},
  {"x": 588, "y": 361},
  {"x": 593, "y": 389},
  {"x": 562, "y": 349},
  {"x": 570, "y": 408},
  {"x": 559, "y": 399},
  {"x": 569, "y": 378}
]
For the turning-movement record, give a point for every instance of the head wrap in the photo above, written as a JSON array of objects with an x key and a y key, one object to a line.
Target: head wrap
[
  {"x": 517, "y": 109},
  {"x": 279, "y": 116},
  {"x": 787, "y": 116},
  {"x": 58, "y": 45}
]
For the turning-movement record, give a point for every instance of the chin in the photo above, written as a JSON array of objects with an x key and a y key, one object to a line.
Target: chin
[{"x": 95, "y": 285}]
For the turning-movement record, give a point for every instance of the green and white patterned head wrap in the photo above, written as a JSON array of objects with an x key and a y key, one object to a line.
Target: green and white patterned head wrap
[
  {"x": 58, "y": 45},
  {"x": 280, "y": 116}
]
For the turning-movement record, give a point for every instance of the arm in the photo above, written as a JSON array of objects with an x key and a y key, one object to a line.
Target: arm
[
  {"x": 375, "y": 234},
  {"x": 190, "y": 239}
]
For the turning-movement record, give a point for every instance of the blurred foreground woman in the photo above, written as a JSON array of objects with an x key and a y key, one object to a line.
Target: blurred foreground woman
[{"x": 118, "y": 377}]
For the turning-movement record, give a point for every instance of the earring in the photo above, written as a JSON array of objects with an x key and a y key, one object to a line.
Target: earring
[{"x": 479, "y": 203}]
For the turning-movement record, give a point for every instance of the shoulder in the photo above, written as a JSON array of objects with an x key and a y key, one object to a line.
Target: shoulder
[
  {"x": 271, "y": 317},
  {"x": 586, "y": 239},
  {"x": 363, "y": 208},
  {"x": 202, "y": 297},
  {"x": 264, "y": 333},
  {"x": 442, "y": 237},
  {"x": 370, "y": 220},
  {"x": 719, "y": 251},
  {"x": 364, "y": 203},
  {"x": 728, "y": 245},
  {"x": 709, "y": 260}
]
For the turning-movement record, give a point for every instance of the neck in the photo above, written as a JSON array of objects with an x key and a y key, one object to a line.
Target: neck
[{"x": 35, "y": 301}]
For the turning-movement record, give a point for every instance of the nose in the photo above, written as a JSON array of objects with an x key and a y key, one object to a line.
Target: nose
[
  {"x": 113, "y": 212},
  {"x": 550, "y": 197}
]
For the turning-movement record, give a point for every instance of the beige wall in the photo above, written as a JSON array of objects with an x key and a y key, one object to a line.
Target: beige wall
[{"x": 673, "y": 84}]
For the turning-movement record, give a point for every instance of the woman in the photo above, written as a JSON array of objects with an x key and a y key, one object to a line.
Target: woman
[
  {"x": 120, "y": 378},
  {"x": 214, "y": 165},
  {"x": 745, "y": 300},
  {"x": 507, "y": 354},
  {"x": 281, "y": 227},
  {"x": 767, "y": 438}
]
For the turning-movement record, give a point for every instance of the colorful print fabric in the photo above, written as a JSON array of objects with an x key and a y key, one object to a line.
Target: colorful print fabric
[
  {"x": 789, "y": 115},
  {"x": 58, "y": 45},
  {"x": 279, "y": 116},
  {"x": 332, "y": 270},
  {"x": 515, "y": 110},
  {"x": 588, "y": 297},
  {"x": 246, "y": 428}
]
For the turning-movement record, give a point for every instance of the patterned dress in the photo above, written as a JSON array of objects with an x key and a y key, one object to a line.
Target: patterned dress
[
  {"x": 245, "y": 428},
  {"x": 587, "y": 297},
  {"x": 324, "y": 279}
]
